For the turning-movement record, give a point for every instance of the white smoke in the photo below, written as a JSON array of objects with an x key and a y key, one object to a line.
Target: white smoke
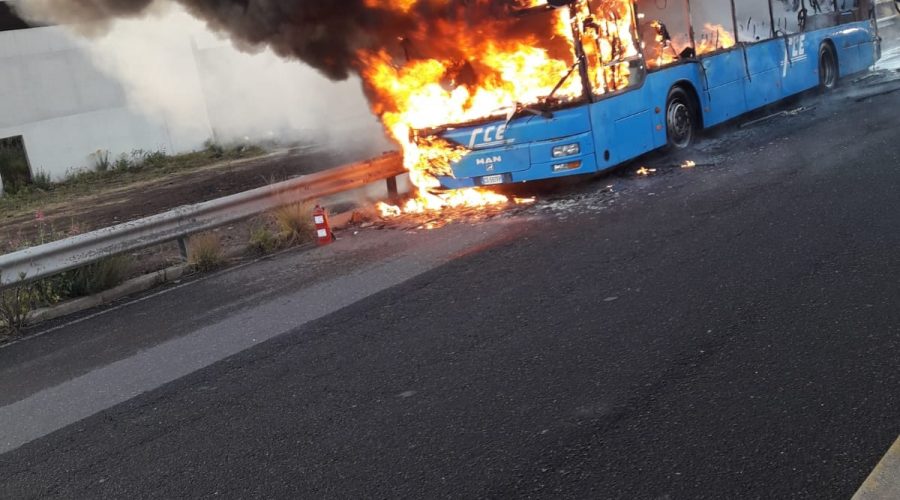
[{"x": 174, "y": 69}]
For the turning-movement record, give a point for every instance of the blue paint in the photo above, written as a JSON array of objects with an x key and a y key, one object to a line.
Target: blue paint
[{"x": 625, "y": 125}]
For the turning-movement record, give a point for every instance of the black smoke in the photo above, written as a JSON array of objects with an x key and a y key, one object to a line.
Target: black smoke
[{"x": 326, "y": 35}]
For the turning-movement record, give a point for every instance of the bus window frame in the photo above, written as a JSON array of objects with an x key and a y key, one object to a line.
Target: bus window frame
[
  {"x": 646, "y": 69},
  {"x": 592, "y": 96},
  {"x": 693, "y": 33},
  {"x": 680, "y": 61}
]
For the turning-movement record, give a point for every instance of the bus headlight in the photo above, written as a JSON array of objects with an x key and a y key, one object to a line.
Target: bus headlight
[{"x": 566, "y": 150}]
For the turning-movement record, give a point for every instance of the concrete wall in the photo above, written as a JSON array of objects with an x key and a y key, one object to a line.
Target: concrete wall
[{"x": 66, "y": 109}]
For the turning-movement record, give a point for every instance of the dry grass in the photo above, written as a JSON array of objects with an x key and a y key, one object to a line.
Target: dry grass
[
  {"x": 205, "y": 252},
  {"x": 295, "y": 223}
]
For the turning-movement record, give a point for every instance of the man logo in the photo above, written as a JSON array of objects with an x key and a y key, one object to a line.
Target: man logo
[{"x": 489, "y": 162}]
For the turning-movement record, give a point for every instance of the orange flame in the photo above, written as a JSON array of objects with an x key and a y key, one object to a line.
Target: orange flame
[
  {"x": 483, "y": 68},
  {"x": 714, "y": 37},
  {"x": 711, "y": 38}
]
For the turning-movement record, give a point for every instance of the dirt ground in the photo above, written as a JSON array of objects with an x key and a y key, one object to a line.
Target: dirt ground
[{"x": 123, "y": 203}]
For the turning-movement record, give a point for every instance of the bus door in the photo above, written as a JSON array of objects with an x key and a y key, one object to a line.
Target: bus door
[
  {"x": 725, "y": 69},
  {"x": 623, "y": 127},
  {"x": 665, "y": 34},
  {"x": 761, "y": 57}
]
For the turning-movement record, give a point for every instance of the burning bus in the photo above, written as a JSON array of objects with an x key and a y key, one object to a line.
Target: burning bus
[{"x": 492, "y": 92}]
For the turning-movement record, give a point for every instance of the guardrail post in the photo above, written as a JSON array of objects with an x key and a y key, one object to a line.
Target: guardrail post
[
  {"x": 393, "y": 192},
  {"x": 183, "y": 248}
]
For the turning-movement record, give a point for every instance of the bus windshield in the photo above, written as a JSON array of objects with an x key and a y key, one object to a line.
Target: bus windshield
[{"x": 485, "y": 61}]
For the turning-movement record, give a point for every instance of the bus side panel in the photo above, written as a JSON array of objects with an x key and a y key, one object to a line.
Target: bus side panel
[
  {"x": 800, "y": 63},
  {"x": 763, "y": 82},
  {"x": 858, "y": 38},
  {"x": 631, "y": 124},
  {"x": 800, "y": 66},
  {"x": 725, "y": 74},
  {"x": 853, "y": 43}
]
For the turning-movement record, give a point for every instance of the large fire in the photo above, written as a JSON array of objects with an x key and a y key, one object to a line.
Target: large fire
[
  {"x": 665, "y": 51},
  {"x": 714, "y": 37},
  {"x": 484, "y": 66}
]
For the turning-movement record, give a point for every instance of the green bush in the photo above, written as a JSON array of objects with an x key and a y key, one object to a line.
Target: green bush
[
  {"x": 41, "y": 180},
  {"x": 16, "y": 306},
  {"x": 101, "y": 161},
  {"x": 214, "y": 149},
  {"x": 155, "y": 159},
  {"x": 18, "y": 302},
  {"x": 263, "y": 241},
  {"x": 122, "y": 164},
  {"x": 94, "y": 278}
]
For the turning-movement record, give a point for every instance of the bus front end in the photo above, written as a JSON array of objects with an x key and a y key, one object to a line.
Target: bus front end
[{"x": 537, "y": 146}]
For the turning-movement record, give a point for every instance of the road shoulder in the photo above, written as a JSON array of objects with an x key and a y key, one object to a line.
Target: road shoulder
[{"x": 884, "y": 482}]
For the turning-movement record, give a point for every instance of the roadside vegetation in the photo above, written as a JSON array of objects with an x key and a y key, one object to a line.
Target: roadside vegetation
[
  {"x": 19, "y": 302},
  {"x": 263, "y": 241},
  {"x": 295, "y": 223},
  {"x": 108, "y": 172},
  {"x": 279, "y": 229},
  {"x": 205, "y": 252},
  {"x": 285, "y": 227}
]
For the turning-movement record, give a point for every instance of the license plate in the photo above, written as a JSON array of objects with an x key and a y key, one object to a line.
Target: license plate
[{"x": 490, "y": 180}]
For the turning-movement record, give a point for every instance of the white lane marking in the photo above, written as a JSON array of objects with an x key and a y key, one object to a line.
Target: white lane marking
[
  {"x": 884, "y": 482},
  {"x": 54, "y": 408}
]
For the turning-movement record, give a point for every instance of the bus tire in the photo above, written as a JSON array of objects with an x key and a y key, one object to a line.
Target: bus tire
[
  {"x": 828, "y": 68},
  {"x": 681, "y": 119}
]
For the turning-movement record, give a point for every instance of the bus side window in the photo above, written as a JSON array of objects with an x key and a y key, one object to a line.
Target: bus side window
[
  {"x": 665, "y": 33},
  {"x": 789, "y": 16},
  {"x": 823, "y": 6},
  {"x": 713, "y": 25},
  {"x": 753, "y": 20},
  {"x": 611, "y": 47}
]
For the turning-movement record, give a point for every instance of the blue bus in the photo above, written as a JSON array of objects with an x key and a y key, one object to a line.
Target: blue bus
[{"x": 700, "y": 63}]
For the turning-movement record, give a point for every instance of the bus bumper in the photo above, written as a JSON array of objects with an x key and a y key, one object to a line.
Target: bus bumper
[{"x": 574, "y": 165}]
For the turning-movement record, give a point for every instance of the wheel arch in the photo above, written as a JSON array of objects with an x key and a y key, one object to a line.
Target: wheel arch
[
  {"x": 828, "y": 42},
  {"x": 688, "y": 87}
]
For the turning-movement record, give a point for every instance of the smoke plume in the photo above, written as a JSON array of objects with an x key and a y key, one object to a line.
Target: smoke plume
[
  {"x": 178, "y": 73},
  {"x": 327, "y": 35}
]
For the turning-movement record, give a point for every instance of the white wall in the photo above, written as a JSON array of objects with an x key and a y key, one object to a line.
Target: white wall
[
  {"x": 165, "y": 82},
  {"x": 66, "y": 109}
]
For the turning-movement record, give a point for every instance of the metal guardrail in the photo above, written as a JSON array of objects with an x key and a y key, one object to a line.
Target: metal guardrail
[{"x": 59, "y": 256}]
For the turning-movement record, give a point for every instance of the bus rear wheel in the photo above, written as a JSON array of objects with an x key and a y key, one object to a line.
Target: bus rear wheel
[
  {"x": 828, "y": 68},
  {"x": 681, "y": 119}
]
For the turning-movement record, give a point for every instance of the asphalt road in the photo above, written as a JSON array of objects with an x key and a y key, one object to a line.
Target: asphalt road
[{"x": 727, "y": 331}]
